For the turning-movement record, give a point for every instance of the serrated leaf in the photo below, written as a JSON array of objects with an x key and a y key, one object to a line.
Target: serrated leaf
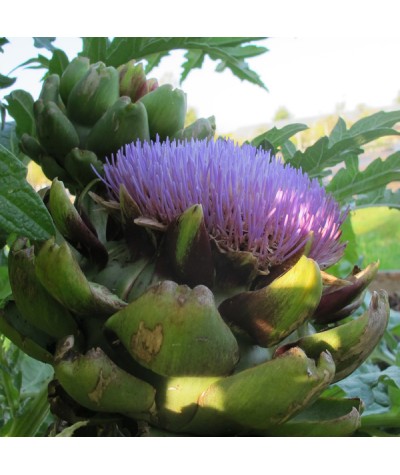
[
  {"x": 22, "y": 210},
  {"x": 194, "y": 59},
  {"x": 352, "y": 142},
  {"x": 143, "y": 46},
  {"x": 350, "y": 182},
  {"x": 312, "y": 159},
  {"x": 378, "y": 120},
  {"x": 41, "y": 62},
  {"x": 242, "y": 52},
  {"x": 338, "y": 132},
  {"x": 153, "y": 60},
  {"x": 20, "y": 108},
  {"x": 95, "y": 48},
  {"x": 267, "y": 146},
  {"x": 352, "y": 162},
  {"x": 231, "y": 58},
  {"x": 58, "y": 62},
  {"x": 333, "y": 150},
  {"x": 6, "y": 81},
  {"x": 231, "y": 41},
  {"x": 118, "y": 51},
  {"x": 44, "y": 42},
  {"x": 238, "y": 67},
  {"x": 288, "y": 150},
  {"x": 379, "y": 197},
  {"x": 277, "y": 137},
  {"x": 231, "y": 52}
]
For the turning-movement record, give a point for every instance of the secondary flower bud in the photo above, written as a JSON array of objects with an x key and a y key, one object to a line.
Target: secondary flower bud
[
  {"x": 132, "y": 80},
  {"x": 166, "y": 110},
  {"x": 93, "y": 94}
]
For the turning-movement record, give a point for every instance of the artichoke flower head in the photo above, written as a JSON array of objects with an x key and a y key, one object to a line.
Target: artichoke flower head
[
  {"x": 191, "y": 295},
  {"x": 251, "y": 201}
]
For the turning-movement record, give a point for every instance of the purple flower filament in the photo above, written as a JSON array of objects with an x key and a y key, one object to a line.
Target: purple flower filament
[{"x": 251, "y": 200}]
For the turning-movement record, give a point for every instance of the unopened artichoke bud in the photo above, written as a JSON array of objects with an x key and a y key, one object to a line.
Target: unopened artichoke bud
[
  {"x": 123, "y": 123},
  {"x": 166, "y": 110},
  {"x": 132, "y": 80},
  {"x": 34, "y": 303},
  {"x": 55, "y": 131},
  {"x": 189, "y": 249},
  {"x": 75, "y": 71},
  {"x": 270, "y": 314},
  {"x": 351, "y": 343},
  {"x": 98, "y": 384},
  {"x": 200, "y": 129},
  {"x": 51, "y": 91},
  {"x": 80, "y": 164},
  {"x": 93, "y": 94},
  {"x": 150, "y": 326},
  {"x": 31, "y": 147}
]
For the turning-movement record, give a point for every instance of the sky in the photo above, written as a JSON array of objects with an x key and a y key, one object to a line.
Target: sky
[{"x": 308, "y": 76}]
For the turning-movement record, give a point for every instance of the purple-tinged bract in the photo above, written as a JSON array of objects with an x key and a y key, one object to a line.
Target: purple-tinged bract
[{"x": 251, "y": 200}]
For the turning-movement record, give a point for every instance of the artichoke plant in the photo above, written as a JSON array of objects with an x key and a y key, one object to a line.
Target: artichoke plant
[
  {"x": 92, "y": 110},
  {"x": 186, "y": 292}
]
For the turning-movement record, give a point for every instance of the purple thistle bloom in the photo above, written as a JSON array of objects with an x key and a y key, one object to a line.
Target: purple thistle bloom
[{"x": 251, "y": 200}]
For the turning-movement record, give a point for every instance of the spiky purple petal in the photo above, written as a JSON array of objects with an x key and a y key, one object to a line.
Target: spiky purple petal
[{"x": 251, "y": 200}]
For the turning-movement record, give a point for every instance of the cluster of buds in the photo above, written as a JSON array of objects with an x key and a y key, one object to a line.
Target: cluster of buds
[{"x": 92, "y": 110}]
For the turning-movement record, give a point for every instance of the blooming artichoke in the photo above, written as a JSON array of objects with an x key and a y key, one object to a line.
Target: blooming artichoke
[
  {"x": 188, "y": 294},
  {"x": 92, "y": 110}
]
